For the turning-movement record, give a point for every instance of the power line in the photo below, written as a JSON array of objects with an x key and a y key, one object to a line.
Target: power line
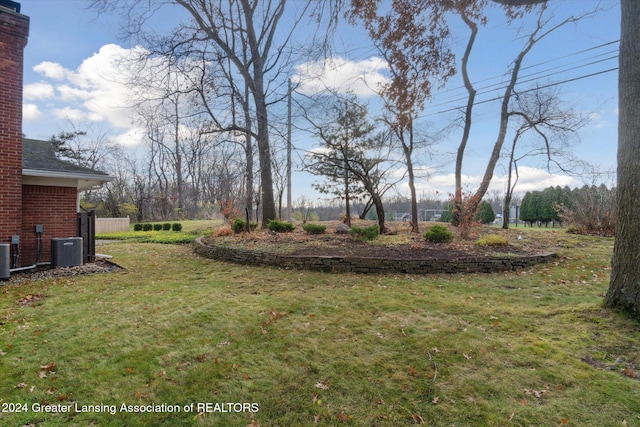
[
  {"x": 528, "y": 90},
  {"x": 524, "y": 79},
  {"x": 501, "y": 85}
]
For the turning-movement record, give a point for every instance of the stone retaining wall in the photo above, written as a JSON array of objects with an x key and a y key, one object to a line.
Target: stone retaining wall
[{"x": 339, "y": 264}]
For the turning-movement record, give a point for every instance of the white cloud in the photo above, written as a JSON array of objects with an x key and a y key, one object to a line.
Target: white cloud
[
  {"x": 96, "y": 91},
  {"x": 538, "y": 179},
  {"x": 131, "y": 137},
  {"x": 70, "y": 93},
  {"x": 51, "y": 70},
  {"x": 68, "y": 113},
  {"x": 341, "y": 75},
  {"x": 40, "y": 90},
  {"x": 30, "y": 112}
]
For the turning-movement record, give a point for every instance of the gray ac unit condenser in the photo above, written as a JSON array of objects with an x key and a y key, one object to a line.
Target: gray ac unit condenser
[
  {"x": 66, "y": 252},
  {"x": 5, "y": 261}
]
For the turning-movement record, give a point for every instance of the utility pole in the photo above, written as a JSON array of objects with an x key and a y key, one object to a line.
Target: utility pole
[{"x": 289, "y": 154}]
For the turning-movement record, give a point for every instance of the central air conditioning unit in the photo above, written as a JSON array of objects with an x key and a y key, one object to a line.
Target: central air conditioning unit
[
  {"x": 5, "y": 261},
  {"x": 66, "y": 252}
]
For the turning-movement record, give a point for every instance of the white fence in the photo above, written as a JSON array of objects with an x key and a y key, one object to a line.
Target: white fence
[{"x": 108, "y": 225}]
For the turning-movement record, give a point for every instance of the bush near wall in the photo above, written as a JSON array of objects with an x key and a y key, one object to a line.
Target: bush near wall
[{"x": 438, "y": 234}]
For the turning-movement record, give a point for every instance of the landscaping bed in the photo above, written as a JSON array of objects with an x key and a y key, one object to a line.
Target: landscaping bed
[{"x": 399, "y": 251}]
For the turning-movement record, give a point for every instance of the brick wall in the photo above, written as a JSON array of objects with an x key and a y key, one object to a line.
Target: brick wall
[
  {"x": 14, "y": 30},
  {"x": 53, "y": 207}
]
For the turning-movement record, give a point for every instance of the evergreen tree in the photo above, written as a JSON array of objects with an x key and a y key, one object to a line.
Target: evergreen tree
[{"x": 485, "y": 214}]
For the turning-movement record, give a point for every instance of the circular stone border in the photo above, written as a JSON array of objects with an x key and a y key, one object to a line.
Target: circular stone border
[{"x": 346, "y": 264}]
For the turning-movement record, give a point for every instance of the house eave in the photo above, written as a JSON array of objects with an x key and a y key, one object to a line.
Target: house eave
[{"x": 81, "y": 181}]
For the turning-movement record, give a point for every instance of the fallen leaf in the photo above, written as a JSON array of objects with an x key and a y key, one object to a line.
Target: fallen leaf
[
  {"x": 435, "y": 400},
  {"x": 630, "y": 373},
  {"x": 48, "y": 368},
  {"x": 417, "y": 419},
  {"x": 322, "y": 385},
  {"x": 343, "y": 417}
]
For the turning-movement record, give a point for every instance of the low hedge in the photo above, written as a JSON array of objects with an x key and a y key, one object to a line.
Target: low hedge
[{"x": 147, "y": 226}]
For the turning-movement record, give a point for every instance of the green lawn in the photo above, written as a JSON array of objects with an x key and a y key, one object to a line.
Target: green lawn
[
  {"x": 190, "y": 230},
  {"x": 523, "y": 348}
]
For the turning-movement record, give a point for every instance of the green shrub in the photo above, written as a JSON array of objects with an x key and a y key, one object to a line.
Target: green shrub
[
  {"x": 493, "y": 240},
  {"x": 314, "y": 228},
  {"x": 147, "y": 227},
  {"x": 137, "y": 227},
  {"x": 176, "y": 226},
  {"x": 365, "y": 233},
  {"x": 280, "y": 226},
  {"x": 157, "y": 227},
  {"x": 239, "y": 225},
  {"x": 438, "y": 234},
  {"x": 166, "y": 226}
]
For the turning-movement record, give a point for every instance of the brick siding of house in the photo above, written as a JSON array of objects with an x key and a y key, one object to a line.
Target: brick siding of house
[
  {"x": 14, "y": 30},
  {"x": 58, "y": 218}
]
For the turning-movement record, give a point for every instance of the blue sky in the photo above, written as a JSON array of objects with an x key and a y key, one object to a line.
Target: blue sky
[{"x": 70, "y": 75}]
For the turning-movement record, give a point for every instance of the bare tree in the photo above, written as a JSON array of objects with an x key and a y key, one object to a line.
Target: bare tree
[
  {"x": 536, "y": 35},
  {"x": 457, "y": 198},
  {"x": 253, "y": 37},
  {"x": 554, "y": 126}
]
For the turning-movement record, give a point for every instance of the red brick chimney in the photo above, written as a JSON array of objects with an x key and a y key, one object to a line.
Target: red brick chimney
[{"x": 14, "y": 31}]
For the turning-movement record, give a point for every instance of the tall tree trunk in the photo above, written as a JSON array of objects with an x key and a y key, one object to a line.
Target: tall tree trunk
[
  {"x": 457, "y": 198},
  {"x": 347, "y": 197},
  {"x": 248, "y": 152},
  {"x": 624, "y": 287},
  {"x": 377, "y": 202},
  {"x": 178, "y": 165},
  {"x": 509, "y": 191},
  {"x": 408, "y": 152},
  {"x": 264, "y": 155}
]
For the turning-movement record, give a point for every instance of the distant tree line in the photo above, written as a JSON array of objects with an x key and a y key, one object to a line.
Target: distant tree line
[{"x": 584, "y": 210}]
